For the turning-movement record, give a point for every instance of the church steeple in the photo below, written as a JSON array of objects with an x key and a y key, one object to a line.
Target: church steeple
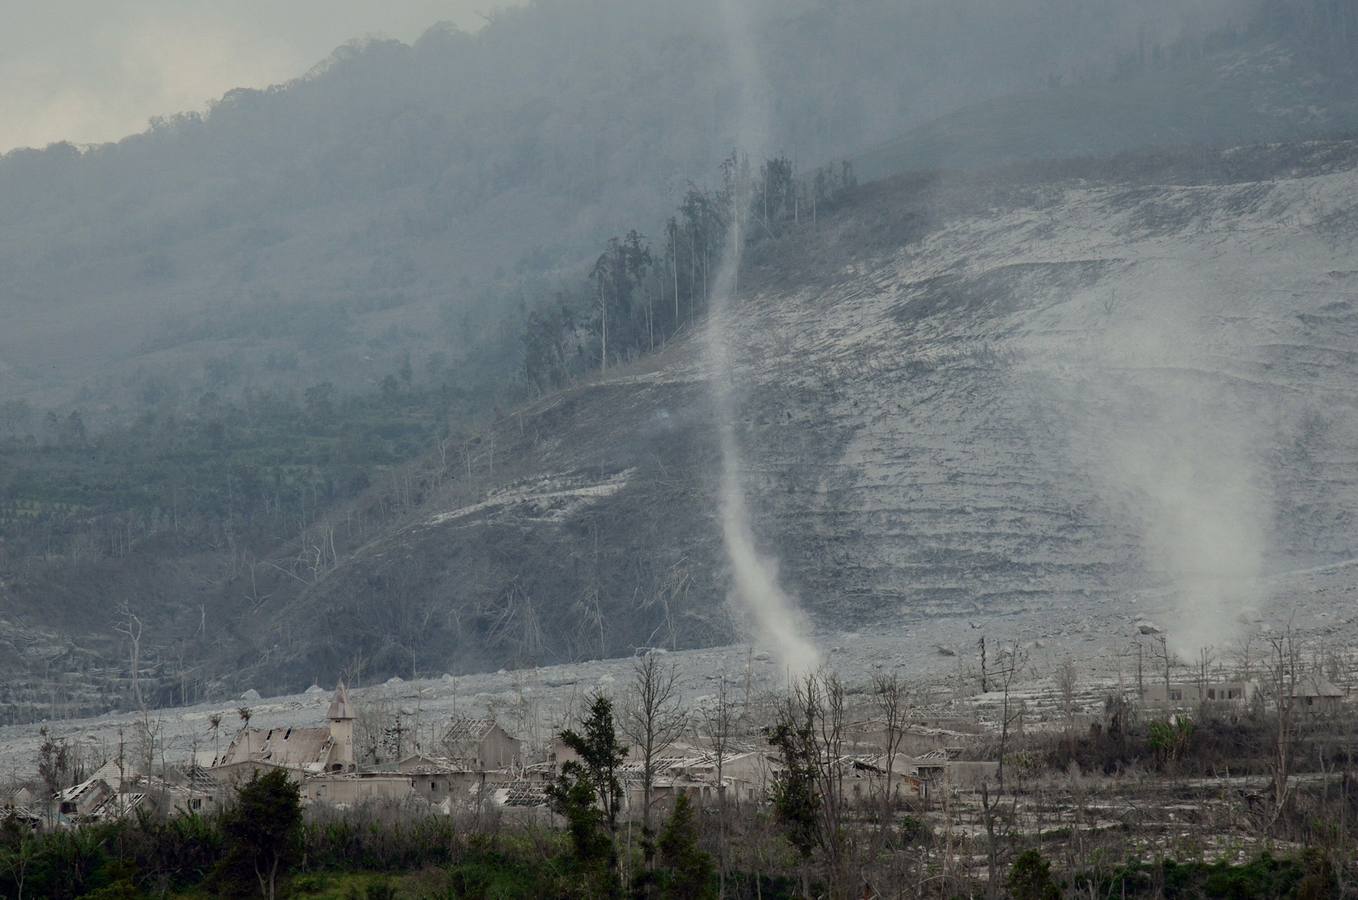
[
  {"x": 341, "y": 716},
  {"x": 339, "y": 706}
]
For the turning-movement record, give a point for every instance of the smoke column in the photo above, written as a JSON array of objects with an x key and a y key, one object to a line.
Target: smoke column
[{"x": 778, "y": 622}]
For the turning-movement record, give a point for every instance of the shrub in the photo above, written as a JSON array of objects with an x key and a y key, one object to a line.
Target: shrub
[{"x": 1030, "y": 878}]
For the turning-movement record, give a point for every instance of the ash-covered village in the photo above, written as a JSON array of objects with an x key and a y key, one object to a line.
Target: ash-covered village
[
  {"x": 1097, "y": 739},
  {"x": 730, "y": 449}
]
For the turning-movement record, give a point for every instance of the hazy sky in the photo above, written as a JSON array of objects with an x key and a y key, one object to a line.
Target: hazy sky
[{"x": 96, "y": 70}]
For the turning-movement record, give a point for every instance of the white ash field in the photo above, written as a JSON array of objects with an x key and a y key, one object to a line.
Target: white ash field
[{"x": 535, "y": 703}]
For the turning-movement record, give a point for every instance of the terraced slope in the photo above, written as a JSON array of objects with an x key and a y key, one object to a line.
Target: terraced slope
[{"x": 1001, "y": 394}]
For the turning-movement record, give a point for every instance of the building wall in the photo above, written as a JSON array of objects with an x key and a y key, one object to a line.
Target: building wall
[
  {"x": 439, "y": 786},
  {"x": 562, "y": 754},
  {"x": 348, "y": 790},
  {"x": 867, "y": 788},
  {"x": 499, "y": 751},
  {"x": 955, "y": 773},
  {"x": 1192, "y": 693}
]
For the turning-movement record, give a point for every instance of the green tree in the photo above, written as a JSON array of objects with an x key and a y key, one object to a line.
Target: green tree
[
  {"x": 15, "y": 416},
  {"x": 587, "y": 794},
  {"x": 1030, "y": 878},
  {"x": 262, "y": 830},
  {"x": 687, "y": 871},
  {"x": 18, "y": 849},
  {"x": 546, "y": 335},
  {"x": 573, "y": 798},
  {"x": 320, "y": 402},
  {"x": 794, "y": 791},
  {"x": 601, "y": 756}
]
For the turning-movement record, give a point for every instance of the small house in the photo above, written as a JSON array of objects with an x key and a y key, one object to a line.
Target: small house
[
  {"x": 1197, "y": 693},
  {"x": 437, "y": 779},
  {"x": 481, "y": 745},
  {"x": 1314, "y": 692}
]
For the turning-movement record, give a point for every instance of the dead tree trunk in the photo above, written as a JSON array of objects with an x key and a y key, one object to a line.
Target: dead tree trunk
[{"x": 653, "y": 721}]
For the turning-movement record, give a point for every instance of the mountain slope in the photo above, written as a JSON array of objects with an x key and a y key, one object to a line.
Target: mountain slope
[{"x": 1012, "y": 393}]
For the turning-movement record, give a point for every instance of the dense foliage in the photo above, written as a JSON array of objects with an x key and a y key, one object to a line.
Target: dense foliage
[{"x": 180, "y": 857}]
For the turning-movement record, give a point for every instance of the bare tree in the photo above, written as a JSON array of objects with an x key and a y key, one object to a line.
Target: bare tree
[
  {"x": 1282, "y": 670},
  {"x": 121, "y": 759},
  {"x": 1067, "y": 679},
  {"x": 130, "y": 627},
  {"x": 1203, "y": 673},
  {"x": 1011, "y": 662},
  {"x": 809, "y": 794},
  {"x": 53, "y": 768},
  {"x": 891, "y": 699},
  {"x": 148, "y": 736},
  {"x": 1110, "y": 303},
  {"x": 375, "y": 726},
  {"x": 1162, "y": 652},
  {"x": 829, "y": 725},
  {"x": 1243, "y": 651},
  {"x": 1140, "y": 672},
  {"x": 652, "y": 719},
  {"x": 214, "y": 721},
  {"x": 719, "y": 722}
]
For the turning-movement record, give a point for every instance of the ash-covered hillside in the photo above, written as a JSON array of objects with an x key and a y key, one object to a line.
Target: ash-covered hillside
[
  {"x": 1015, "y": 393},
  {"x": 247, "y": 353}
]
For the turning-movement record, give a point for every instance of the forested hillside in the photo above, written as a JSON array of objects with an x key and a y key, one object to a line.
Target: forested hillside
[{"x": 250, "y": 356}]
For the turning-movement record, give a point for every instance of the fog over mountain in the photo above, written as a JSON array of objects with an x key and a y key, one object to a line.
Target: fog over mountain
[
  {"x": 407, "y": 363},
  {"x": 402, "y": 198}
]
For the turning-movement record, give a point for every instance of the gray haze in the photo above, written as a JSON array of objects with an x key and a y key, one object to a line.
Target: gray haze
[
  {"x": 88, "y": 71},
  {"x": 459, "y": 170}
]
